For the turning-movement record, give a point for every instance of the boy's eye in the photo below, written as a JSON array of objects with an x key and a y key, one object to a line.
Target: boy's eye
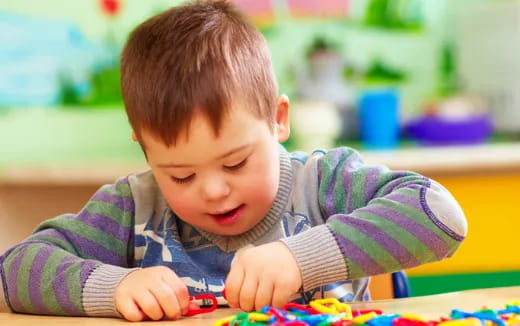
[
  {"x": 236, "y": 166},
  {"x": 183, "y": 180}
]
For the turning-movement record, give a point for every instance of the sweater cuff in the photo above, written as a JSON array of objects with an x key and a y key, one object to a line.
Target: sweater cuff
[
  {"x": 319, "y": 264},
  {"x": 99, "y": 289}
]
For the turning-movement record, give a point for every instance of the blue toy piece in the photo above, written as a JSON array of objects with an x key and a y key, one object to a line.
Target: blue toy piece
[{"x": 401, "y": 285}]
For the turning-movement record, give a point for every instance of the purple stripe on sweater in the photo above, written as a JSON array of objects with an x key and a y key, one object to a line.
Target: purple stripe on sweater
[
  {"x": 398, "y": 182},
  {"x": 50, "y": 233},
  {"x": 400, "y": 253},
  {"x": 60, "y": 285},
  {"x": 329, "y": 205},
  {"x": 409, "y": 201},
  {"x": 88, "y": 247},
  {"x": 35, "y": 278},
  {"x": 105, "y": 224},
  {"x": 358, "y": 256},
  {"x": 347, "y": 180},
  {"x": 123, "y": 203},
  {"x": 399, "y": 174},
  {"x": 415, "y": 182},
  {"x": 12, "y": 281},
  {"x": 94, "y": 250},
  {"x": 371, "y": 183},
  {"x": 416, "y": 186},
  {"x": 424, "y": 234},
  {"x": 86, "y": 269}
]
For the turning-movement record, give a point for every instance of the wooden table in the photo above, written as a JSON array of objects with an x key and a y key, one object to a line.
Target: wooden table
[{"x": 433, "y": 307}]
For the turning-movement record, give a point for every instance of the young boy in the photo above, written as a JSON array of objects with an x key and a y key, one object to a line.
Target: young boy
[{"x": 224, "y": 206}]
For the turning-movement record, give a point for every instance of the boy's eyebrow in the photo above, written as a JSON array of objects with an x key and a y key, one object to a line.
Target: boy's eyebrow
[{"x": 232, "y": 151}]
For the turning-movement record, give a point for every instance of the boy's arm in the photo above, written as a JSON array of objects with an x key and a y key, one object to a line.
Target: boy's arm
[
  {"x": 72, "y": 263},
  {"x": 377, "y": 221}
]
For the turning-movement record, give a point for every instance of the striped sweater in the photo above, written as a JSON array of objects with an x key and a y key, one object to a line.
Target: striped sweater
[{"x": 342, "y": 219}]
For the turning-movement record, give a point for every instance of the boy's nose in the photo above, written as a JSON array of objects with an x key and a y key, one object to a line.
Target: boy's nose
[{"x": 215, "y": 189}]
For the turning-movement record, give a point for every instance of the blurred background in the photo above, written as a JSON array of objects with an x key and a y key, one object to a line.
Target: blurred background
[{"x": 426, "y": 85}]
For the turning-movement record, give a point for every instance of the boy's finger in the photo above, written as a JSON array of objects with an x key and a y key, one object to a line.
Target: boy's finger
[
  {"x": 167, "y": 300},
  {"x": 129, "y": 309},
  {"x": 193, "y": 306},
  {"x": 180, "y": 290},
  {"x": 280, "y": 297},
  {"x": 233, "y": 285},
  {"x": 149, "y": 305},
  {"x": 264, "y": 294},
  {"x": 247, "y": 293}
]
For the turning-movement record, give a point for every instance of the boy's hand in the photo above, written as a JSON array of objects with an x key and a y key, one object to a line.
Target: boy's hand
[
  {"x": 152, "y": 293},
  {"x": 263, "y": 275}
]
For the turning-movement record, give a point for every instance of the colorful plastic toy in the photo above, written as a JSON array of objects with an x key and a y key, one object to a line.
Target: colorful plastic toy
[{"x": 331, "y": 312}]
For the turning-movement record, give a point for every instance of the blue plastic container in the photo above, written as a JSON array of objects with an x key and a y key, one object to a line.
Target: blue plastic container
[{"x": 379, "y": 118}]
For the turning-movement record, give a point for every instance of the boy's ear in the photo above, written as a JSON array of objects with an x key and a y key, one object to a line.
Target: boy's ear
[
  {"x": 282, "y": 118},
  {"x": 134, "y": 136}
]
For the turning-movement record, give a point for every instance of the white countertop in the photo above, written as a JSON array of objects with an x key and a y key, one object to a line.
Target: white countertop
[{"x": 455, "y": 159}]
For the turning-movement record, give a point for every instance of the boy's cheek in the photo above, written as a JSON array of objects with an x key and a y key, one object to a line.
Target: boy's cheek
[
  {"x": 182, "y": 206},
  {"x": 265, "y": 184},
  {"x": 181, "y": 203}
]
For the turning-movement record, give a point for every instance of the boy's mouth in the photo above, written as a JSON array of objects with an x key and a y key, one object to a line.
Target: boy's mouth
[{"x": 229, "y": 217}]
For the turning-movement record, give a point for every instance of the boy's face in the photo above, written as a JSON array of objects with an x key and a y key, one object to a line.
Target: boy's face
[{"x": 226, "y": 184}]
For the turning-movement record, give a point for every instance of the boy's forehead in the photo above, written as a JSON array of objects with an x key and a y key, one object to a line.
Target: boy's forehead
[
  {"x": 200, "y": 140},
  {"x": 150, "y": 137}
]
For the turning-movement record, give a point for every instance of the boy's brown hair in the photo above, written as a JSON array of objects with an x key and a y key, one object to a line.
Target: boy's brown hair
[{"x": 202, "y": 57}]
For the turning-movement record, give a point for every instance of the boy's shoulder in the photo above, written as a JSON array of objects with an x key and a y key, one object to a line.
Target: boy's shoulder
[
  {"x": 308, "y": 167},
  {"x": 320, "y": 154},
  {"x": 302, "y": 157},
  {"x": 132, "y": 184},
  {"x": 141, "y": 179},
  {"x": 148, "y": 198}
]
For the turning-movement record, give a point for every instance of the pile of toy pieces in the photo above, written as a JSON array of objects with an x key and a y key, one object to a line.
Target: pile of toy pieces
[{"x": 331, "y": 312}]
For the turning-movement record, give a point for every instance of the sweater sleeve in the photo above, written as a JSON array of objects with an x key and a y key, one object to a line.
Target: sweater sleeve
[
  {"x": 71, "y": 264},
  {"x": 377, "y": 221}
]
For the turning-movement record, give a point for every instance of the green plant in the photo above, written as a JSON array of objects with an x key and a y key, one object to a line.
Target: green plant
[
  {"x": 105, "y": 90},
  {"x": 394, "y": 14}
]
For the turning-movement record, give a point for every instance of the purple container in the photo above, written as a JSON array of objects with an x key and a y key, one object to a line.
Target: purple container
[{"x": 432, "y": 130}]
